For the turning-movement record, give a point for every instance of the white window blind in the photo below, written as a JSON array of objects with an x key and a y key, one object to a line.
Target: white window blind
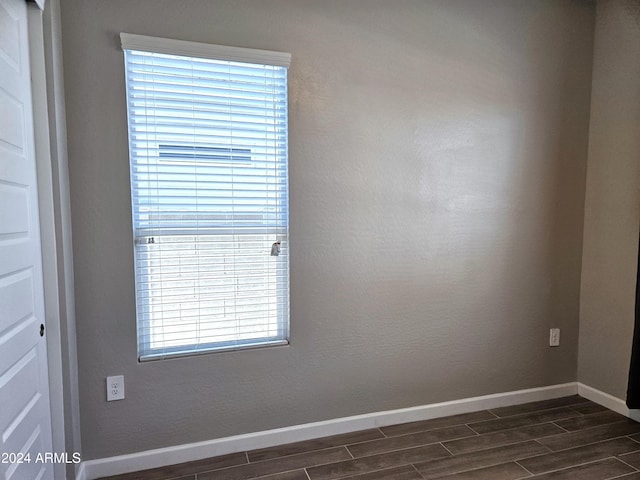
[{"x": 208, "y": 156}]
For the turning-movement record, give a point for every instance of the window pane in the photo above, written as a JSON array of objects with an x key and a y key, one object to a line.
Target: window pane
[{"x": 210, "y": 289}]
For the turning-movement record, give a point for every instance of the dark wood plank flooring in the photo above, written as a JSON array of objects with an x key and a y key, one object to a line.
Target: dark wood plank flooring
[{"x": 564, "y": 438}]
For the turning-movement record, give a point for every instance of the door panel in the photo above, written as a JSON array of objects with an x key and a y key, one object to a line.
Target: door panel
[{"x": 25, "y": 422}]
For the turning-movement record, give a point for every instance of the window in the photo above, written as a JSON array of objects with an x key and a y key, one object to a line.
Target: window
[{"x": 209, "y": 189}]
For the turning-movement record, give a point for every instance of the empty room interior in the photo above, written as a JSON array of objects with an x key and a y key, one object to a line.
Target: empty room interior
[{"x": 449, "y": 230}]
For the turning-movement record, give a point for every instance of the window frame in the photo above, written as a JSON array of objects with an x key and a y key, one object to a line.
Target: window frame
[{"x": 132, "y": 42}]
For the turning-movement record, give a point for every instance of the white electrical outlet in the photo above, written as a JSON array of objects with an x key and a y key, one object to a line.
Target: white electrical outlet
[
  {"x": 115, "y": 388},
  {"x": 554, "y": 337}
]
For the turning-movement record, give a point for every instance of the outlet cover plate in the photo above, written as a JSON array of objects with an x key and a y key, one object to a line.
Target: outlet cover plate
[{"x": 115, "y": 388}]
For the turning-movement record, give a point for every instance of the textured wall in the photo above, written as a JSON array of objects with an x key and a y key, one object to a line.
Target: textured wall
[
  {"x": 612, "y": 205},
  {"x": 437, "y": 160}
]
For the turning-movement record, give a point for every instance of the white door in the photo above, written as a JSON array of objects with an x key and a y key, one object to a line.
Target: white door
[{"x": 25, "y": 419}]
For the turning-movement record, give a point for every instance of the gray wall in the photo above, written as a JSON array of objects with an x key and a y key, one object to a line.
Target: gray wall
[
  {"x": 438, "y": 161},
  {"x": 612, "y": 205}
]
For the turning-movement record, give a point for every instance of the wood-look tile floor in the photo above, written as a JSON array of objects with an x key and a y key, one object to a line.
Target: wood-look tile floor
[{"x": 560, "y": 439}]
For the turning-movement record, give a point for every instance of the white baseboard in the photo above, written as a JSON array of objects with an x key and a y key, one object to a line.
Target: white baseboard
[
  {"x": 81, "y": 473},
  {"x": 103, "y": 467},
  {"x": 609, "y": 401}
]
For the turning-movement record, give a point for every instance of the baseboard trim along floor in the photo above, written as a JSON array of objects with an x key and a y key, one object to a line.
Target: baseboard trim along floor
[
  {"x": 608, "y": 401},
  {"x": 103, "y": 467},
  {"x": 81, "y": 472}
]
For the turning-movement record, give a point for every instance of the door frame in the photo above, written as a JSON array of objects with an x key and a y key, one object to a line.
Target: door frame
[{"x": 45, "y": 52}]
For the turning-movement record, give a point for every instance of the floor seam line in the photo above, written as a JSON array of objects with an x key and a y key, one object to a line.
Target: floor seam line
[
  {"x": 522, "y": 466},
  {"x": 580, "y": 465},
  {"x": 626, "y": 463},
  {"x": 443, "y": 446},
  {"x": 349, "y": 452},
  {"x": 417, "y": 471}
]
